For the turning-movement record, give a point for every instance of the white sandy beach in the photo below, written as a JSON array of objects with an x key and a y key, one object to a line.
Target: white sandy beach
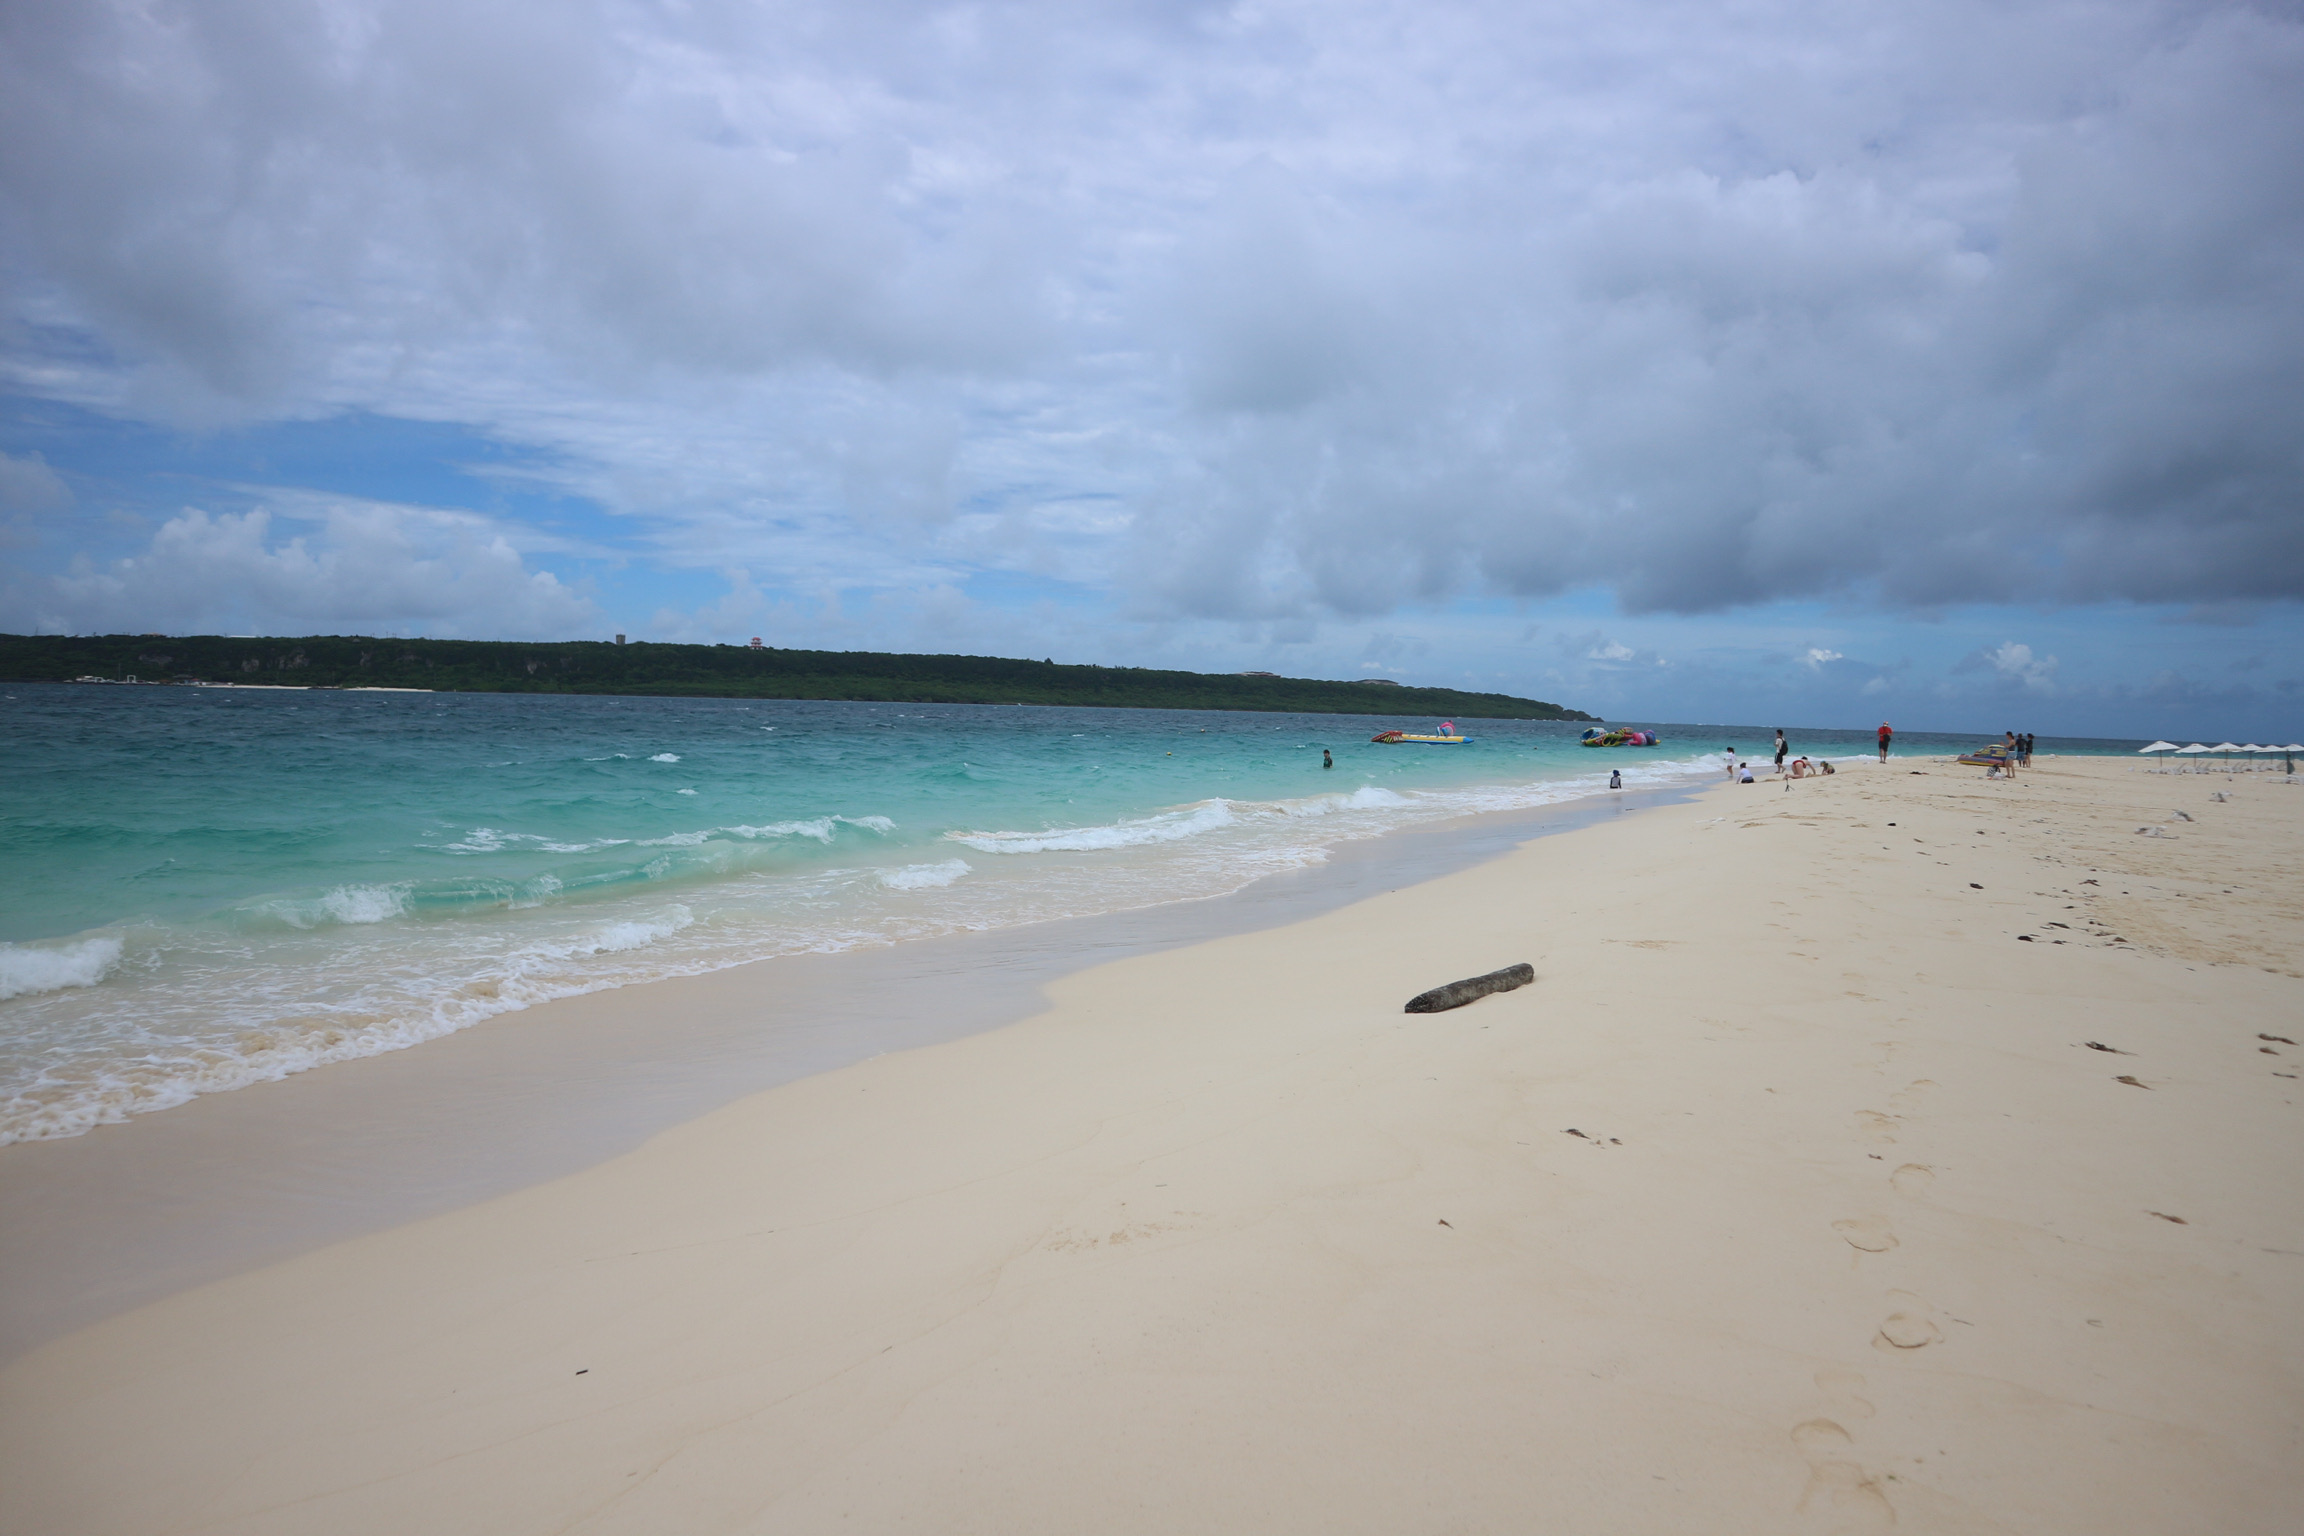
[{"x": 1791, "y": 1197}]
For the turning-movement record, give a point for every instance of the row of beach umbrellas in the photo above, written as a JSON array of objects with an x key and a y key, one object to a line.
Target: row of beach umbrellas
[{"x": 2226, "y": 747}]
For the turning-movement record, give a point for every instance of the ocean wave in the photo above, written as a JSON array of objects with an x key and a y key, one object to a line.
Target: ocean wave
[
  {"x": 170, "y": 1068},
  {"x": 352, "y": 905},
  {"x": 665, "y": 757},
  {"x": 616, "y": 938},
  {"x": 222, "y": 1012},
  {"x": 924, "y": 877},
  {"x": 1368, "y": 797},
  {"x": 1168, "y": 827},
  {"x": 492, "y": 840},
  {"x": 28, "y": 969},
  {"x": 820, "y": 828}
]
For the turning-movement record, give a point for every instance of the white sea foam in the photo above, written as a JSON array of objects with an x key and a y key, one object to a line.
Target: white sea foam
[
  {"x": 1168, "y": 827},
  {"x": 635, "y": 934},
  {"x": 364, "y": 903},
  {"x": 491, "y": 840},
  {"x": 350, "y": 905},
  {"x": 26, "y": 969},
  {"x": 1367, "y": 797},
  {"x": 665, "y": 757},
  {"x": 924, "y": 877},
  {"x": 820, "y": 828}
]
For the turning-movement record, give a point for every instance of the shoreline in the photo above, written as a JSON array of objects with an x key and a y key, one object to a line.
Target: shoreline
[
  {"x": 1898, "y": 1150},
  {"x": 129, "y": 1212}
]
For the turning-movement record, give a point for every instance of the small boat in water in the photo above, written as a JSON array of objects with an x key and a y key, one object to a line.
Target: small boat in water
[
  {"x": 1446, "y": 738},
  {"x": 1595, "y": 737}
]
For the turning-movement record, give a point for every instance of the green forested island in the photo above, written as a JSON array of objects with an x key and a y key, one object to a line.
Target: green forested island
[{"x": 714, "y": 671}]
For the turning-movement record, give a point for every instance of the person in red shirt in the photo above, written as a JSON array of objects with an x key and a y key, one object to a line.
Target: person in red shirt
[{"x": 1885, "y": 734}]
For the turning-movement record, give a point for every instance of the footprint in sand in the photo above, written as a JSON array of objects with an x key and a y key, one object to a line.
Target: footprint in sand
[
  {"x": 1841, "y": 1496},
  {"x": 1868, "y": 1234},
  {"x": 1908, "y": 1327},
  {"x": 1875, "y": 1126},
  {"x": 1911, "y": 1097},
  {"x": 1913, "y": 1180}
]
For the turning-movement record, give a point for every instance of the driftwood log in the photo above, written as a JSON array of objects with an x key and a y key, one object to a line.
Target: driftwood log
[{"x": 1457, "y": 993}]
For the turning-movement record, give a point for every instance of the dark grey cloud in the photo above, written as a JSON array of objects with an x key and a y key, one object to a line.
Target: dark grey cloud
[{"x": 1272, "y": 314}]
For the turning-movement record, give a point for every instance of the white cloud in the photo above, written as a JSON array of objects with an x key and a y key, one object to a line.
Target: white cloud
[
  {"x": 363, "y": 566},
  {"x": 28, "y": 485},
  {"x": 1817, "y": 656},
  {"x": 2014, "y": 662},
  {"x": 1277, "y": 313}
]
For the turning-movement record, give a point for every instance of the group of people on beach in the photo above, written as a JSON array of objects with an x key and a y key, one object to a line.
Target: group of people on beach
[
  {"x": 1800, "y": 767},
  {"x": 2015, "y": 753}
]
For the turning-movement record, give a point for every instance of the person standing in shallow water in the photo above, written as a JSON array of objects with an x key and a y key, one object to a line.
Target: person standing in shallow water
[{"x": 1327, "y": 758}]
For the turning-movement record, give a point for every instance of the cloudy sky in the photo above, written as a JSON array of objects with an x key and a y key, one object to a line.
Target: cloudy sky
[{"x": 1718, "y": 361}]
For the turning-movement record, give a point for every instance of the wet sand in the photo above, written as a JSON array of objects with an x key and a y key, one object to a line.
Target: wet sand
[{"x": 1832, "y": 1176}]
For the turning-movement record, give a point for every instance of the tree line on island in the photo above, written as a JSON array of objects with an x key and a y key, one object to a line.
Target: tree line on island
[{"x": 715, "y": 671}]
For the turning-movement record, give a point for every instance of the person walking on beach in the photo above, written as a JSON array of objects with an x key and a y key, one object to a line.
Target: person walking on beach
[
  {"x": 1615, "y": 779},
  {"x": 1728, "y": 760},
  {"x": 1886, "y": 735},
  {"x": 1779, "y": 751}
]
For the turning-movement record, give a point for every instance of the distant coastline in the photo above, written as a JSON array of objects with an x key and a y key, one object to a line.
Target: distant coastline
[{"x": 713, "y": 671}]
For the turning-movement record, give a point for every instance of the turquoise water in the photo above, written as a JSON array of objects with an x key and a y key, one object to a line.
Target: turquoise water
[{"x": 205, "y": 888}]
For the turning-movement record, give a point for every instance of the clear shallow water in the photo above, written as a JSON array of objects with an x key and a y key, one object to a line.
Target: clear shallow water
[{"x": 206, "y": 888}]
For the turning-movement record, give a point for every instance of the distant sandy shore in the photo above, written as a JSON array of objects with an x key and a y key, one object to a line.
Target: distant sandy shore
[{"x": 1897, "y": 1151}]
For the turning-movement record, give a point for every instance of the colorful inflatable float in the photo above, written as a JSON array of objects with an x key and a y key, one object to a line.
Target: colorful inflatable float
[{"x": 1595, "y": 737}]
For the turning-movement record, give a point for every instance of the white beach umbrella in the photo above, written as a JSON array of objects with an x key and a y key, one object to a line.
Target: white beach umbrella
[
  {"x": 2193, "y": 750},
  {"x": 2159, "y": 746}
]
